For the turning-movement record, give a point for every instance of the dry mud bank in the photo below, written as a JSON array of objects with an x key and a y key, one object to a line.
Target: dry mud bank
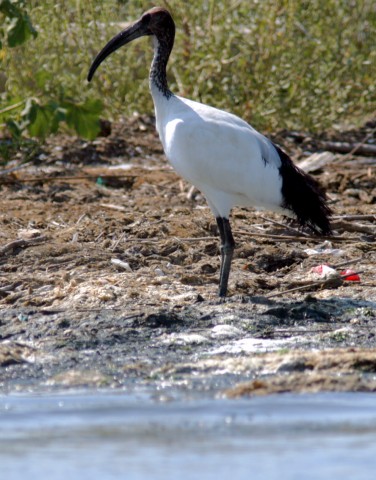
[{"x": 109, "y": 274}]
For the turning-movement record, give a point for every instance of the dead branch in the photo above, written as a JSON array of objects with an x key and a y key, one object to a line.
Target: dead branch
[
  {"x": 287, "y": 238},
  {"x": 113, "y": 207},
  {"x": 295, "y": 230},
  {"x": 7, "y": 171},
  {"x": 365, "y": 218},
  {"x": 349, "y": 148},
  {"x": 353, "y": 227},
  {"x": 70, "y": 178},
  {"x": 346, "y": 262},
  {"x": 360, "y": 144},
  {"x": 21, "y": 243},
  {"x": 326, "y": 283}
]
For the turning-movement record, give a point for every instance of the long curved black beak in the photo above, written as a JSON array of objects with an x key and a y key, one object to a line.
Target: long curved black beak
[{"x": 138, "y": 29}]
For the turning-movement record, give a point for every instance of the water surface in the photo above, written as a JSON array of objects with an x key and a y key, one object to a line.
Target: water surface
[{"x": 106, "y": 436}]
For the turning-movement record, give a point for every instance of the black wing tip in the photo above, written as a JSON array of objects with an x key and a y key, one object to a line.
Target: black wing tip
[
  {"x": 304, "y": 197},
  {"x": 322, "y": 225},
  {"x": 319, "y": 219}
]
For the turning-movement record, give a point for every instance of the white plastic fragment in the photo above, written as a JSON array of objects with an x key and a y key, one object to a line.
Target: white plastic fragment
[
  {"x": 324, "y": 271},
  {"x": 159, "y": 272},
  {"x": 120, "y": 264},
  {"x": 324, "y": 249},
  {"x": 28, "y": 233}
]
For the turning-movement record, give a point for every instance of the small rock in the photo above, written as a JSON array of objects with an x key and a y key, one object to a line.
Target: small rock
[{"x": 296, "y": 365}]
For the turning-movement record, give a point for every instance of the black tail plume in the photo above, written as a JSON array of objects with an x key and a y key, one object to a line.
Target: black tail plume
[{"x": 303, "y": 196}]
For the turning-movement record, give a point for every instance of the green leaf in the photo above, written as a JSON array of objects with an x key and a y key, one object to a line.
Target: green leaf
[
  {"x": 40, "y": 126},
  {"x": 29, "y": 112},
  {"x": 84, "y": 117},
  {"x": 41, "y": 78},
  {"x": 20, "y": 30},
  {"x": 40, "y": 120},
  {"x": 9, "y": 9},
  {"x": 59, "y": 115}
]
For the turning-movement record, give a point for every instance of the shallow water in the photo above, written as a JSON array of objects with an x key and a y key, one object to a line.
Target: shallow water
[{"x": 107, "y": 436}]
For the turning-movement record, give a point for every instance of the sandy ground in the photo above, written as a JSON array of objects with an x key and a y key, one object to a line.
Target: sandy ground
[{"x": 109, "y": 276}]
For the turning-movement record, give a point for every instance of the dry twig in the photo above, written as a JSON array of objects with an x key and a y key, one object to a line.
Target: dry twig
[
  {"x": 371, "y": 218},
  {"x": 21, "y": 243},
  {"x": 295, "y": 230},
  {"x": 287, "y": 238},
  {"x": 353, "y": 227},
  {"x": 331, "y": 282},
  {"x": 358, "y": 146}
]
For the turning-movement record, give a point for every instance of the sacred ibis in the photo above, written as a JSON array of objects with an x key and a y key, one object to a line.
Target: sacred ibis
[{"x": 222, "y": 155}]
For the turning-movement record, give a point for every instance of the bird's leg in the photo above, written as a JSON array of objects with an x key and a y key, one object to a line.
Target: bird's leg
[
  {"x": 222, "y": 237},
  {"x": 227, "y": 250}
]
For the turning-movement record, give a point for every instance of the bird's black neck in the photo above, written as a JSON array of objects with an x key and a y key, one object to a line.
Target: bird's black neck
[{"x": 158, "y": 76}]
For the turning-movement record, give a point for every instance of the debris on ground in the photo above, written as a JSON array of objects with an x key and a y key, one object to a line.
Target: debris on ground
[{"x": 110, "y": 265}]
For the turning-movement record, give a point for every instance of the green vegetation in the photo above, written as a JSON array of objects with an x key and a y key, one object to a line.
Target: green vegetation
[
  {"x": 279, "y": 64},
  {"x": 32, "y": 105}
]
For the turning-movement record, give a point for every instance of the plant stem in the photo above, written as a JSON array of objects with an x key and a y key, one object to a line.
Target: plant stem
[{"x": 12, "y": 107}]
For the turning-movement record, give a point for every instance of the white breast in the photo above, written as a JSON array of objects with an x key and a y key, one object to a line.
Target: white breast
[{"x": 223, "y": 156}]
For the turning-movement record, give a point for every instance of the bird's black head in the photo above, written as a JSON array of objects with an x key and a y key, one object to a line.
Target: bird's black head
[
  {"x": 156, "y": 21},
  {"x": 159, "y": 21}
]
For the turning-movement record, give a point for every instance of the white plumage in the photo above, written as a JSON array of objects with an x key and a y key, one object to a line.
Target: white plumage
[{"x": 222, "y": 155}]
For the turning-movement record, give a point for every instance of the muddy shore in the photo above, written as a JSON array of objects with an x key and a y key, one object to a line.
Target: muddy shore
[{"x": 109, "y": 275}]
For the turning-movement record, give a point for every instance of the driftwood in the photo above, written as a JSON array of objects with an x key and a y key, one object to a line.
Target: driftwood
[
  {"x": 21, "y": 243},
  {"x": 371, "y": 218},
  {"x": 353, "y": 227},
  {"x": 353, "y": 148}
]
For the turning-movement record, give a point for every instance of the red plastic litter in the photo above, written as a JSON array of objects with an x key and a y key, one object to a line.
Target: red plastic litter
[{"x": 351, "y": 276}]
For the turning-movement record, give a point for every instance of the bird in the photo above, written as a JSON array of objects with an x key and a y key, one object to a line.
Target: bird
[{"x": 224, "y": 157}]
